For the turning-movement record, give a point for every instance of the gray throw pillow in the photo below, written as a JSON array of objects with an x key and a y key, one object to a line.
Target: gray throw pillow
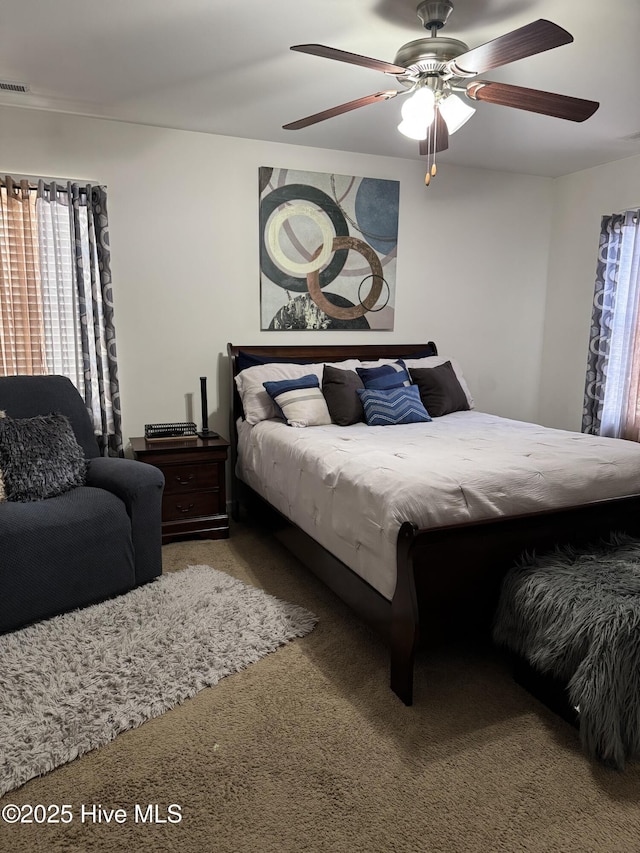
[
  {"x": 39, "y": 457},
  {"x": 440, "y": 390},
  {"x": 339, "y": 388}
]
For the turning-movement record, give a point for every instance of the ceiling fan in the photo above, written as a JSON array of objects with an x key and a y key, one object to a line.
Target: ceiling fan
[{"x": 435, "y": 70}]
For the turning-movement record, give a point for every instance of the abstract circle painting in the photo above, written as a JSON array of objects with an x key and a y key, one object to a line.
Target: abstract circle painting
[{"x": 328, "y": 247}]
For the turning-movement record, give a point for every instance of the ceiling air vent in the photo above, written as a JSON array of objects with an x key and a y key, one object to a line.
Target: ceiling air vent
[{"x": 10, "y": 86}]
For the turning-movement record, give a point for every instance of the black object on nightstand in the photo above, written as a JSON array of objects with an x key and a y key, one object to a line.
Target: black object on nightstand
[{"x": 194, "y": 502}]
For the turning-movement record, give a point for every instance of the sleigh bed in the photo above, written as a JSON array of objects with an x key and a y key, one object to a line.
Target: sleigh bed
[{"x": 412, "y": 522}]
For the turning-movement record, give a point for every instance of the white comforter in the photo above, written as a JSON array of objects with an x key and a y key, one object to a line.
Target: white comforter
[{"x": 351, "y": 488}]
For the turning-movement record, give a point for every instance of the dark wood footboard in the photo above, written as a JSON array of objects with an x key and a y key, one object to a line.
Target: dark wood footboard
[{"x": 460, "y": 567}]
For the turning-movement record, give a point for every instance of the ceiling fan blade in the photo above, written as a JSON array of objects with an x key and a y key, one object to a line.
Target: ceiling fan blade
[
  {"x": 533, "y": 100},
  {"x": 442, "y": 136},
  {"x": 353, "y": 58},
  {"x": 342, "y": 108},
  {"x": 526, "y": 41}
]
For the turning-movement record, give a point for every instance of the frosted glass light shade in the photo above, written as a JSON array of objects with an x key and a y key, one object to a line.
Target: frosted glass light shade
[
  {"x": 418, "y": 113},
  {"x": 418, "y": 104},
  {"x": 455, "y": 112},
  {"x": 414, "y": 130}
]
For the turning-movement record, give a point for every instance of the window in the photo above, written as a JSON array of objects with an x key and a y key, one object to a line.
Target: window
[
  {"x": 612, "y": 392},
  {"x": 56, "y": 306}
]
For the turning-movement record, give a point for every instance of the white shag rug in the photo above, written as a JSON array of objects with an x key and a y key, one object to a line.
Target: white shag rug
[{"x": 74, "y": 682}]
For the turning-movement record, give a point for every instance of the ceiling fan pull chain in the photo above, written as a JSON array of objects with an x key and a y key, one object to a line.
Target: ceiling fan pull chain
[
  {"x": 430, "y": 148},
  {"x": 434, "y": 168},
  {"x": 427, "y": 177}
]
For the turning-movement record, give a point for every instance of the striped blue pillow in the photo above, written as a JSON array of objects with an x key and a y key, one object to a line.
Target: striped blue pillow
[
  {"x": 393, "y": 406},
  {"x": 384, "y": 376},
  {"x": 300, "y": 401}
]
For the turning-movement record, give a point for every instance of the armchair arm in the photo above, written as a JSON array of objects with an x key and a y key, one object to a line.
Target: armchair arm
[{"x": 139, "y": 486}]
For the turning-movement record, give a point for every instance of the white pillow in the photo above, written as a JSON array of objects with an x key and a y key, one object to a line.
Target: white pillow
[
  {"x": 434, "y": 361},
  {"x": 257, "y": 404}
]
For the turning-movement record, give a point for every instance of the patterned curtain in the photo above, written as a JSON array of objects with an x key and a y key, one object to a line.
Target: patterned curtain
[
  {"x": 620, "y": 415},
  {"x": 604, "y": 298},
  {"x": 56, "y": 300},
  {"x": 92, "y": 268}
]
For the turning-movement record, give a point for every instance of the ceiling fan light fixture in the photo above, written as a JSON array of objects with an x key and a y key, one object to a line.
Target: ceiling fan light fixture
[
  {"x": 419, "y": 105},
  {"x": 413, "y": 130},
  {"x": 418, "y": 113},
  {"x": 455, "y": 112}
]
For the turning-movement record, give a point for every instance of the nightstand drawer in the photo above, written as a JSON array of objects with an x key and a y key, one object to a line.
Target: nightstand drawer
[
  {"x": 176, "y": 507},
  {"x": 192, "y": 477}
]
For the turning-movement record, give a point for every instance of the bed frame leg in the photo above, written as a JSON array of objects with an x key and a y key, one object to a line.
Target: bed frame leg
[{"x": 405, "y": 620}]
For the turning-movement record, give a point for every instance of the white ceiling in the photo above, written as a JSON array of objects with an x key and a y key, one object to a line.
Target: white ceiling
[{"x": 224, "y": 67}]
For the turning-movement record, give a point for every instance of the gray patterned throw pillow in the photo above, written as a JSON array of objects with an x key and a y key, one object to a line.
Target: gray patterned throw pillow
[{"x": 39, "y": 457}]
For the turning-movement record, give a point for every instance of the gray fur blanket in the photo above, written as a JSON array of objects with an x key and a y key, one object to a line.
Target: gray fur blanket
[{"x": 576, "y": 615}]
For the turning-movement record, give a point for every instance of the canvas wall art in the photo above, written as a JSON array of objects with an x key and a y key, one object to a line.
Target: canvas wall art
[{"x": 328, "y": 247}]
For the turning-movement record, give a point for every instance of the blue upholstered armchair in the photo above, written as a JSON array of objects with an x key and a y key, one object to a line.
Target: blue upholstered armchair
[{"x": 92, "y": 541}]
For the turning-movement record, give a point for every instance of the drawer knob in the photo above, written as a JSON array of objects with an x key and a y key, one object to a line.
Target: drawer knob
[
  {"x": 184, "y": 508},
  {"x": 184, "y": 480}
]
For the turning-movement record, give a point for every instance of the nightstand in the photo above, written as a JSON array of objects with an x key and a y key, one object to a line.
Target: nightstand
[{"x": 194, "y": 502}]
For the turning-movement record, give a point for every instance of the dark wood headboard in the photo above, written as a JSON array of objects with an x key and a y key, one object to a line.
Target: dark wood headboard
[{"x": 314, "y": 353}]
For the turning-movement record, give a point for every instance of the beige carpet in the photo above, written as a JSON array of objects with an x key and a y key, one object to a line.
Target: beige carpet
[{"x": 308, "y": 750}]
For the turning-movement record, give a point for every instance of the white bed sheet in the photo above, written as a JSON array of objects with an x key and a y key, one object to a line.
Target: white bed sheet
[{"x": 351, "y": 487}]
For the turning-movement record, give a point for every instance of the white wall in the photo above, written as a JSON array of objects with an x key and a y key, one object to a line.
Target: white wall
[
  {"x": 183, "y": 209},
  {"x": 580, "y": 201}
]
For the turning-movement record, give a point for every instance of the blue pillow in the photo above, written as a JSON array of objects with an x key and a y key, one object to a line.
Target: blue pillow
[
  {"x": 299, "y": 401},
  {"x": 385, "y": 376},
  {"x": 393, "y": 406}
]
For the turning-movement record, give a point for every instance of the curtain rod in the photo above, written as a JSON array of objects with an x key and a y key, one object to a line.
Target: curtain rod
[{"x": 36, "y": 178}]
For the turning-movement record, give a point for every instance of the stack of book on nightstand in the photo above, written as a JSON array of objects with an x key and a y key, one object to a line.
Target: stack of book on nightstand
[{"x": 183, "y": 431}]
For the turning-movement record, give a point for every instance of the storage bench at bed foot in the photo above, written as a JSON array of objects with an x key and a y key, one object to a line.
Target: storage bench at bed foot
[{"x": 572, "y": 615}]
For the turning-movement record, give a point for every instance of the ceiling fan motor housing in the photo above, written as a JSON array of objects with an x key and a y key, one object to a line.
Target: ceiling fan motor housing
[
  {"x": 434, "y": 13},
  {"x": 428, "y": 56}
]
